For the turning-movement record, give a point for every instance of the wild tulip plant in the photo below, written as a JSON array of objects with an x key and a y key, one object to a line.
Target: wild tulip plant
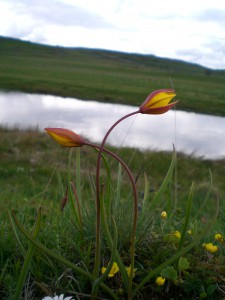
[{"x": 158, "y": 102}]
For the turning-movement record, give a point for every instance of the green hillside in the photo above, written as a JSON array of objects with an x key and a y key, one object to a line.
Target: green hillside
[{"x": 108, "y": 76}]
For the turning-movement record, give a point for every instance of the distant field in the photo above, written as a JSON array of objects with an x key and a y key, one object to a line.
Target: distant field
[{"x": 108, "y": 76}]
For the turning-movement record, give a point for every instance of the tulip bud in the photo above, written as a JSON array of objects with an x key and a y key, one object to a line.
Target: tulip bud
[
  {"x": 158, "y": 102},
  {"x": 65, "y": 137}
]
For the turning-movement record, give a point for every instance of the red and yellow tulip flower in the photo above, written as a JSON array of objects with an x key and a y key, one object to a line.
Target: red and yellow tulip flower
[
  {"x": 65, "y": 137},
  {"x": 158, "y": 102}
]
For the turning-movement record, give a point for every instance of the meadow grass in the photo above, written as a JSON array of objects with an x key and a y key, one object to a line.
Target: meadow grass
[
  {"x": 108, "y": 76},
  {"x": 51, "y": 249},
  {"x": 34, "y": 173}
]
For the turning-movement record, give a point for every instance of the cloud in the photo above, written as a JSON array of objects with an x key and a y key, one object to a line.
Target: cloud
[
  {"x": 193, "y": 30},
  {"x": 48, "y": 21},
  {"x": 205, "y": 54},
  {"x": 29, "y": 17},
  {"x": 56, "y": 13},
  {"x": 212, "y": 15}
]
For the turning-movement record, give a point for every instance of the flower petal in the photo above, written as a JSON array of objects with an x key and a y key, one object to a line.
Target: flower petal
[
  {"x": 158, "y": 110},
  {"x": 65, "y": 137},
  {"x": 158, "y": 102}
]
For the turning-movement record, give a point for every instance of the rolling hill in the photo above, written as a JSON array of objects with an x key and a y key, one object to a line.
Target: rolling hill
[{"x": 108, "y": 76}]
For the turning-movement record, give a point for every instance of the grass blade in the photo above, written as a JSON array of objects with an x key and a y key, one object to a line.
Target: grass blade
[
  {"x": 166, "y": 180},
  {"x": 187, "y": 217},
  {"x": 28, "y": 259},
  {"x": 58, "y": 257}
]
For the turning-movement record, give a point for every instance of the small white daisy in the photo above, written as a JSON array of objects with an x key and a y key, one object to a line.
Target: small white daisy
[{"x": 61, "y": 297}]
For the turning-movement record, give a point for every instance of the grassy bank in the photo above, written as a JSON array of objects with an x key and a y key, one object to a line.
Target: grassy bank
[
  {"x": 108, "y": 76},
  {"x": 33, "y": 173},
  {"x": 25, "y": 173}
]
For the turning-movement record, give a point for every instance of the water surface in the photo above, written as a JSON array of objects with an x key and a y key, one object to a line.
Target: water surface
[{"x": 196, "y": 134}]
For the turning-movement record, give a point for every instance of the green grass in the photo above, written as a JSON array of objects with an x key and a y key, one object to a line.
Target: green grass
[
  {"x": 31, "y": 166},
  {"x": 25, "y": 173},
  {"x": 34, "y": 173},
  {"x": 108, "y": 76}
]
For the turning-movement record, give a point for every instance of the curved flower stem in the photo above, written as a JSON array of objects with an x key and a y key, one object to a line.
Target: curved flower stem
[
  {"x": 97, "y": 249},
  {"x": 132, "y": 183}
]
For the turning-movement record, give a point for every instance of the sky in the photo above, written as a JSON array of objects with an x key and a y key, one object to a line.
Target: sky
[{"x": 191, "y": 30}]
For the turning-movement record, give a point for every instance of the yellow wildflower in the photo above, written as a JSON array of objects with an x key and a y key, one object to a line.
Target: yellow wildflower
[
  {"x": 177, "y": 234},
  {"x": 219, "y": 237},
  {"x": 189, "y": 232},
  {"x": 160, "y": 280},
  {"x": 211, "y": 248},
  {"x": 164, "y": 215},
  {"x": 128, "y": 269},
  {"x": 113, "y": 270}
]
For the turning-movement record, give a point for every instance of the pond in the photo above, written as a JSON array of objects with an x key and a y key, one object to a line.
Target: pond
[{"x": 193, "y": 134}]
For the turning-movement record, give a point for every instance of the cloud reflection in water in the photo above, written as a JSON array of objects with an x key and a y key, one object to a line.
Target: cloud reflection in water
[{"x": 197, "y": 134}]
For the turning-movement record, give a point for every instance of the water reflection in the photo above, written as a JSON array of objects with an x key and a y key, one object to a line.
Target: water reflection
[{"x": 196, "y": 134}]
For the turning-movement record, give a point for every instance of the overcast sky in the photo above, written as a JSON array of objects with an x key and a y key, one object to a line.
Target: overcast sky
[{"x": 191, "y": 30}]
